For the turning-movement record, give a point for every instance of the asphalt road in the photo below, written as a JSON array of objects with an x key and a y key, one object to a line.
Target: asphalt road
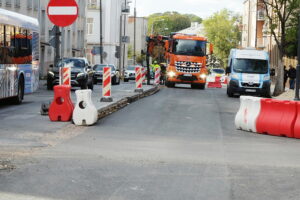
[{"x": 177, "y": 144}]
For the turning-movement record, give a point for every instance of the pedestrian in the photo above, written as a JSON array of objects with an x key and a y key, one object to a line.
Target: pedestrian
[
  {"x": 292, "y": 76},
  {"x": 286, "y": 76}
]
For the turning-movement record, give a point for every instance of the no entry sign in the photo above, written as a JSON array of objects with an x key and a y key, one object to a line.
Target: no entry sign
[{"x": 62, "y": 12}]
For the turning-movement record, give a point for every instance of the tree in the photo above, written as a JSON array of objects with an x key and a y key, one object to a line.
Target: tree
[
  {"x": 223, "y": 31},
  {"x": 194, "y": 18},
  {"x": 280, "y": 14},
  {"x": 130, "y": 51},
  {"x": 168, "y": 22}
]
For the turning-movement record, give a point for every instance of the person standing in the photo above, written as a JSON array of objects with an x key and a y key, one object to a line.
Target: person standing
[
  {"x": 292, "y": 76},
  {"x": 286, "y": 76}
]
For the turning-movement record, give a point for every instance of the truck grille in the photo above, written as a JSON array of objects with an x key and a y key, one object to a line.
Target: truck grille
[{"x": 188, "y": 67}]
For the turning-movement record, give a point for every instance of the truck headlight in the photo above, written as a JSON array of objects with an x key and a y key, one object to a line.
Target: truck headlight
[
  {"x": 267, "y": 78},
  {"x": 203, "y": 76},
  {"x": 171, "y": 74}
]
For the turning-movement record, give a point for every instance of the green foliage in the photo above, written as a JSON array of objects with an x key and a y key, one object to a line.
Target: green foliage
[
  {"x": 168, "y": 22},
  {"x": 130, "y": 51},
  {"x": 140, "y": 59},
  {"x": 194, "y": 18},
  {"x": 223, "y": 31}
]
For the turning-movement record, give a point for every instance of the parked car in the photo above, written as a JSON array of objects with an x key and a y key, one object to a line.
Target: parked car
[
  {"x": 218, "y": 72},
  {"x": 115, "y": 73},
  {"x": 130, "y": 72},
  {"x": 81, "y": 73}
]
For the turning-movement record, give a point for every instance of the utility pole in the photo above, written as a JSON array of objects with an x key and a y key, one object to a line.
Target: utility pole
[
  {"x": 120, "y": 47},
  {"x": 298, "y": 66},
  {"x": 134, "y": 37},
  {"x": 124, "y": 34},
  {"x": 57, "y": 45},
  {"x": 101, "y": 34}
]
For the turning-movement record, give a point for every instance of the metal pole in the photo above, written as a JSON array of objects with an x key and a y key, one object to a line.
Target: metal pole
[
  {"x": 101, "y": 34},
  {"x": 57, "y": 45},
  {"x": 134, "y": 40},
  {"x": 298, "y": 66},
  {"x": 124, "y": 45},
  {"x": 120, "y": 47}
]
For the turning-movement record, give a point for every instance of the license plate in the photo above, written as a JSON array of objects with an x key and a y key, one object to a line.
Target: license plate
[
  {"x": 188, "y": 75},
  {"x": 250, "y": 90}
]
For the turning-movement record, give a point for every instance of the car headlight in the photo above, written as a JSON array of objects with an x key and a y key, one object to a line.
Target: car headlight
[
  {"x": 203, "y": 76},
  {"x": 234, "y": 76},
  {"x": 267, "y": 78},
  {"x": 51, "y": 73},
  {"x": 80, "y": 74},
  {"x": 171, "y": 74}
]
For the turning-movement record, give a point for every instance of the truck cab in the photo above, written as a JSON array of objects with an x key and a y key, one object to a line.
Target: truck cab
[{"x": 249, "y": 73}]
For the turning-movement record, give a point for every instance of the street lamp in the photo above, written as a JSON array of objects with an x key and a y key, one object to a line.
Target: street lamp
[{"x": 152, "y": 28}]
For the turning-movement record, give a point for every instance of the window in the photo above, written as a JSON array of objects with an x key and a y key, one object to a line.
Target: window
[
  {"x": 92, "y": 4},
  {"x": 0, "y": 2},
  {"x": 29, "y": 4},
  {"x": 90, "y": 26},
  {"x": 17, "y": 3},
  {"x": 36, "y": 4},
  {"x": 8, "y": 3}
]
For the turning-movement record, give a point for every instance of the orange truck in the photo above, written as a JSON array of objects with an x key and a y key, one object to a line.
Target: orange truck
[{"x": 186, "y": 57}]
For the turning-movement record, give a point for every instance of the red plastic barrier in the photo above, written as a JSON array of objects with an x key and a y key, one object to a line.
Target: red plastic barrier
[
  {"x": 61, "y": 109},
  {"x": 216, "y": 84},
  {"x": 277, "y": 117},
  {"x": 297, "y": 123}
]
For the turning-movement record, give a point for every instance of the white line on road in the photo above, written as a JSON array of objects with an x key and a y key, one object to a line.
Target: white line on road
[{"x": 62, "y": 10}]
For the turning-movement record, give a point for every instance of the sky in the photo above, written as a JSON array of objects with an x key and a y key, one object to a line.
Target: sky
[{"x": 202, "y": 8}]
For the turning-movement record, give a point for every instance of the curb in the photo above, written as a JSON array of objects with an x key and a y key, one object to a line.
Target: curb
[{"x": 108, "y": 110}]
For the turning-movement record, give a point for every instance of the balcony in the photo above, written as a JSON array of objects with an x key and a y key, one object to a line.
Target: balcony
[{"x": 261, "y": 15}]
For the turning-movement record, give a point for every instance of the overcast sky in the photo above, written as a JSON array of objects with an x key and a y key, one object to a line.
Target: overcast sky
[{"x": 202, "y": 8}]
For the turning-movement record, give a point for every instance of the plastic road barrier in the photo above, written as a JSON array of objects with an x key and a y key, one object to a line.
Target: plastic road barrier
[
  {"x": 277, "y": 117},
  {"x": 61, "y": 109},
  {"x": 157, "y": 76},
  {"x": 214, "y": 82},
  {"x": 138, "y": 79},
  {"x": 106, "y": 85},
  {"x": 85, "y": 112},
  {"x": 248, "y": 113},
  {"x": 297, "y": 123}
]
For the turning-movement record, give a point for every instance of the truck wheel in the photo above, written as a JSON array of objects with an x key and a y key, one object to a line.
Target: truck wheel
[
  {"x": 49, "y": 84},
  {"x": 19, "y": 98},
  {"x": 84, "y": 86},
  {"x": 126, "y": 80},
  {"x": 202, "y": 86},
  {"x": 229, "y": 92},
  {"x": 170, "y": 84}
]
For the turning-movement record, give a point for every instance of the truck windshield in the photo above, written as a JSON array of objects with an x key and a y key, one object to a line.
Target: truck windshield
[
  {"x": 250, "y": 66},
  {"x": 189, "y": 47}
]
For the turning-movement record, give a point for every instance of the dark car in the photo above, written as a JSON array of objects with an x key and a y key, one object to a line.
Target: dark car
[
  {"x": 98, "y": 76},
  {"x": 81, "y": 73}
]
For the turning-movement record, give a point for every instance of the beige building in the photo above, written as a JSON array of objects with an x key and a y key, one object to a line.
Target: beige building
[
  {"x": 256, "y": 31},
  {"x": 73, "y": 37}
]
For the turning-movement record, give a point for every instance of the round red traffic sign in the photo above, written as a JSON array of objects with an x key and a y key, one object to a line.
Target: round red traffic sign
[{"x": 62, "y": 12}]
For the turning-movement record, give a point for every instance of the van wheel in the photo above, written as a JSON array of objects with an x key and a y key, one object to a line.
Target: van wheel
[
  {"x": 229, "y": 93},
  {"x": 19, "y": 98}
]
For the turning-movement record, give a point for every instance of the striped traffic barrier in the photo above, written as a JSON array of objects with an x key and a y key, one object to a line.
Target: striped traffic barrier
[
  {"x": 157, "y": 76},
  {"x": 106, "y": 85},
  {"x": 65, "y": 75},
  {"x": 138, "y": 79}
]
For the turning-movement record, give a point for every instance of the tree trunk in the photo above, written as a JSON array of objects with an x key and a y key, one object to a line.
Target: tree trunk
[{"x": 279, "y": 89}]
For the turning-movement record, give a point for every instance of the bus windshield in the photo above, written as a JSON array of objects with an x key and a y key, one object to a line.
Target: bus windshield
[
  {"x": 189, "y": 47},
  {"x": 250, "y": 66}
]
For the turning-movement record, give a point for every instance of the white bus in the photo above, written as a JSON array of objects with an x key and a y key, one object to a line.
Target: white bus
[{"x": 19, "y": 55}]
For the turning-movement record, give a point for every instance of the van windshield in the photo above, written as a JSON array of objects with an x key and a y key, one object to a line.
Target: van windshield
[{"x": 250, "y": 66}]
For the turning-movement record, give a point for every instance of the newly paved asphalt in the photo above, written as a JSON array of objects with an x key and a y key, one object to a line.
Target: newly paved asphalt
[{"x": 179, "y": 144}]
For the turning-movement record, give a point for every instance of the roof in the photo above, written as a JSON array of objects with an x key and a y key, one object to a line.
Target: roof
[{"x": 16, "y": 19}]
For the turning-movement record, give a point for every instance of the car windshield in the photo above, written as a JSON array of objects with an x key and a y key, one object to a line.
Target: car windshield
[
  {"x": 100, "y": 67},
  {"x": 250, "y": 66},
  {"x": 189, "y": 47},
  {"x": 218, "y": 71},
  {"x": 131, "y": 68},
  {"x": 76, "y": 63}
]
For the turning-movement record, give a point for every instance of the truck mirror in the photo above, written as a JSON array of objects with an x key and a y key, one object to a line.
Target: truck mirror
[
  {"x": 228, "y": 70},
  {"x": 211, "y": 49},
  {"x": 272, "y": 72}
]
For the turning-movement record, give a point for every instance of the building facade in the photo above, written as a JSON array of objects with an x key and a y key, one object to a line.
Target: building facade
[
  {"x": 114, "y": 20},
  {"x": 73, "y": 40}
]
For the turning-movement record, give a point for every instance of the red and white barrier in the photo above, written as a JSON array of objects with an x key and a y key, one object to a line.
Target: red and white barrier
[
  {"x": 269, "y": 116},
  {"x": 106, "y": 85},
  {"x": 157, "y": 76},
  {"x": 65, "y": 75},
  {"x": 214, "y": 82},
  {"x": 224, "y": 79},
  {"x": 138, "y": 79}
]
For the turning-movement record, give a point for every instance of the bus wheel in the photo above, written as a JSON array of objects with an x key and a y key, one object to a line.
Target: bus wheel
[{"x": 19, "y": 98}]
